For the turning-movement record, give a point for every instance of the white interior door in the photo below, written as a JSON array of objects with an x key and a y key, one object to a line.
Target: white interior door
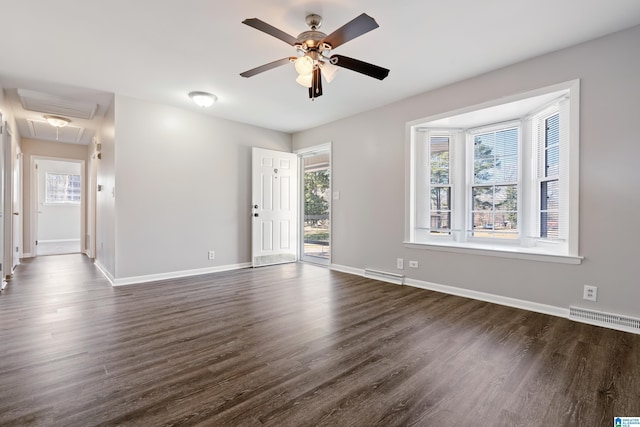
[{"x": 274, "y": 225}]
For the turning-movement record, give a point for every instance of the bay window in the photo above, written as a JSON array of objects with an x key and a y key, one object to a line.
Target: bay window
[{"x": 498, "y": 179}]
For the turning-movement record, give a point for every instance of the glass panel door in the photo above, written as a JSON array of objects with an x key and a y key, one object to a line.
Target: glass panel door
[{"x": 316, "y": 245}]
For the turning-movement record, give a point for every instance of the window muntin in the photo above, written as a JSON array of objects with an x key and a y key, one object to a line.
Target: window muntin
[{"x": 62, "y": 188}]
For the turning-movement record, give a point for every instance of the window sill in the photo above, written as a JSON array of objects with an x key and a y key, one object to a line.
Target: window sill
[{"x": 529, "y": 254}]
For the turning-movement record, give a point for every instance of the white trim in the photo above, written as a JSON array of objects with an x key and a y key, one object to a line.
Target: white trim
[
  {"x": 28, "y": 255},
  {"x": 500, "y": 251},
  {"x": 492, "y": 298},
  {"x": 348, "y": 270},
  {"x": 104, "y": 271},
  {"x": 316, "y": 148},
  {"x": 173, "y": 274},
  {"x": 59, "y": 241}
]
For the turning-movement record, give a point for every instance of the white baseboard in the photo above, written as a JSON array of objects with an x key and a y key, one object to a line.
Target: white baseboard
[
  {"x": 124, "y": 281},
  {"x": 492, "y": 298},
  {"x": 28, "y": 255},
  {"x": 104, "y": 271},
  {"x": 467, "y": 293},
  {"x": 349, "y": 270}
]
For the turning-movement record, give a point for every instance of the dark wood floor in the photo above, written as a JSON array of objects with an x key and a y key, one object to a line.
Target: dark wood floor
[{"x": 295, "y": 345}]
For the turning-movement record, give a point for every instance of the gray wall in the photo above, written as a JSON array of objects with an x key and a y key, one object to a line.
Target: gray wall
[
  {"x": 183, "y": 186},
  {"x": 369, "y": 172}
]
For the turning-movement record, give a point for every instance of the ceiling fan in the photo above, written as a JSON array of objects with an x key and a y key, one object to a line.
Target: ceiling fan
[{"x": 314, "y": 47}]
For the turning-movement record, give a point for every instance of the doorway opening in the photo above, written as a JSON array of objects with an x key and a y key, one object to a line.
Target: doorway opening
[
  {"x": 316, "y": 204},
  {"x": 58, "y": 206}
]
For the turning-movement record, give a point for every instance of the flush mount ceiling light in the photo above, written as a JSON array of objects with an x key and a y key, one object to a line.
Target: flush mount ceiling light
[
  {"x": 203, "y": 99},
  {"x": 314, "y": 59},
  {"x": 57, "y": 121}
]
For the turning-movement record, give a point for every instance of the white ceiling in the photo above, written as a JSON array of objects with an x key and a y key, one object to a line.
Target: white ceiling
[{"x": 159, "y": 51}]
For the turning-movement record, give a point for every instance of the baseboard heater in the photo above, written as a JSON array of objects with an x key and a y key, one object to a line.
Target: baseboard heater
[
  {"x": 608, "y": 320},
  {"x": 385, "y": 276}
]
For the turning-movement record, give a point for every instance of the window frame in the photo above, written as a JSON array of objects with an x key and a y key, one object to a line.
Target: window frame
[{"x": 527, "y": 245}]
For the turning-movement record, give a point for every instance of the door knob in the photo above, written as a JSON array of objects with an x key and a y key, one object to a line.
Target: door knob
[
  {"x": 256, "y": 215},
  {"x": 255, "y": 206}
]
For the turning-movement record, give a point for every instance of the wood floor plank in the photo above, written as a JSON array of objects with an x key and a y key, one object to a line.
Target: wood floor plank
[{"x": 294, "y": 345}]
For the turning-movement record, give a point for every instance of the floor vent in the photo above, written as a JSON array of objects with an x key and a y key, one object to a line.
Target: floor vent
[
  {"x": 398, "y": 279},
  {"x": 615, "y": 321}
]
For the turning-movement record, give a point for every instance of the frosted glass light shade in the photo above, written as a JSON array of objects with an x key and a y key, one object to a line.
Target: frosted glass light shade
[
  {"x": 203, "y": 99},
  {"x": 304, "y": 65},
  {"x": 57, "y": 121},
  {"x": 305, "y": 80},
  {"x": 329, "y": 71}
]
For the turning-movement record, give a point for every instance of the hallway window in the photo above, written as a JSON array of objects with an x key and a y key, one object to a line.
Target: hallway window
[{"x": 62, "y": 188}]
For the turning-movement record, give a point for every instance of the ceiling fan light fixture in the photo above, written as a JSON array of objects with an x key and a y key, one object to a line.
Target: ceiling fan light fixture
[
  {"x": 57, "y": 121},
  {"x": 203, "y": 99},
  {"x": 304, "y": 65},
  {"x": 305, "y": 80},
  {"x": 314, "y": 51},
  {"x": 329, "y": 71}
]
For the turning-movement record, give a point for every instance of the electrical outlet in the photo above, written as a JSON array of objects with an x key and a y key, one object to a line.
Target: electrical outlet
[
  {"x": 590, "y": 293},
  {"x": 212, "y": 255},
  {"x": 400, "y": 264},
  {"x": 414, "y": 264}
]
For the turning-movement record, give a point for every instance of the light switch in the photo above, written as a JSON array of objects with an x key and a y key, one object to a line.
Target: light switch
[{"x": 336, "y": 195}]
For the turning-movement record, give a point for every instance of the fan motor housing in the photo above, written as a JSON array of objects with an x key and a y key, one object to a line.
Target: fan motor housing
[{"x": 311, "y": 38}]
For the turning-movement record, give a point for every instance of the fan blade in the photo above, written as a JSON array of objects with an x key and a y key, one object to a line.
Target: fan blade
[
  {"x": 266, "y": 67},
  {"x": 360, "y": 66},
  {"x": 349, "y": 31},
  {"x": 316, "y": 86},
  {"x": 271, "y": 30}
]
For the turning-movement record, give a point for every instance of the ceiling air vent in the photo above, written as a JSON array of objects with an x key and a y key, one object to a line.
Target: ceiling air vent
[
  {"x": 57, "y": 105},
  {"x": 43, "y": 130}
]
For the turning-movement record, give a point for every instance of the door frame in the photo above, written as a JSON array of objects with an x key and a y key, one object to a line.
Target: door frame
[
  {"x": 17, "y": 209},
  {"x": 33, "y": 221},
  {"x": 304, "y": 152},
  {"x": 5, "y": 139}
]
